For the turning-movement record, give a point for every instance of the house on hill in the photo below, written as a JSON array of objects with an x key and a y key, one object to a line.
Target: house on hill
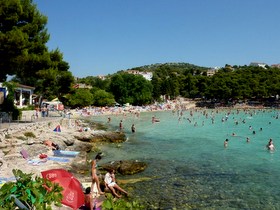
[
  {"x": 258, "y": 64},
  {"x": 146, "y": 75}
]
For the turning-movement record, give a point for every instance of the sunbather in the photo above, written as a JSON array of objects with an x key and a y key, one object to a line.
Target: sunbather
[{"x": 52, "y": 145}]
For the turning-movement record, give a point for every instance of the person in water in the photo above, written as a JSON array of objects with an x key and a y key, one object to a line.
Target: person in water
[
  {"x": 133, "y": 129},
  {"x": 94, "y": 176},
  {"x": 270, "y": 145},
  {"x": 121, "y": 125},
  {"x": 226, "y": 143}
]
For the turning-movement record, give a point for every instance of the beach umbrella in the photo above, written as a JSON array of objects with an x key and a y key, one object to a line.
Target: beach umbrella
[{"x": 73, "y": 195}]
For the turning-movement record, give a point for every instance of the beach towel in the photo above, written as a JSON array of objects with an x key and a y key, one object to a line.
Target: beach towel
[
  {"x": 24, "y": 154},
  {"x": 64, "y": 153},
  {"x": 59, "y": 159},
  {"x": 36, "y": 162}
]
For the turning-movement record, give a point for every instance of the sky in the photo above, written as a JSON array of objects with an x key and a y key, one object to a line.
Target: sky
[{"x": 100, "y": 37}]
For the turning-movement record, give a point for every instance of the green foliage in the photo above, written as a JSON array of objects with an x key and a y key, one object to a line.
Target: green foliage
[
  {"x": 80, "y": 98},
  {"x": 32, "y": 192},
  {"x": 111, "y": 204},
  {"x": 95, "y": 82},
  {"x": 29, "y": 107},
  {"x": 8, "y": 104},
  {"x": 24, "y": 53},
  {"x": 23, "y": 138},
  {"x": 22, "y": 38},
  {"x": 29, "y": 134},
  {"x": 129, "y": 88},
  {"x": 102, "y": 98}
]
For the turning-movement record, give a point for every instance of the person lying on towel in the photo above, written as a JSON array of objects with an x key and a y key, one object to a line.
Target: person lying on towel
[{"x": 52, "y": 145}]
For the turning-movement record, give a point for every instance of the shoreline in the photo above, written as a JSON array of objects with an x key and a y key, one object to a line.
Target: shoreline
[
  {"x": 12, "y": 134},
  {"x": 11, "y": 146},
  {"x": 13, "y": 139}
]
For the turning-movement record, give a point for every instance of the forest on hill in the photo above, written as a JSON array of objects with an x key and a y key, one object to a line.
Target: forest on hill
[{"x": 230, "y": 83}]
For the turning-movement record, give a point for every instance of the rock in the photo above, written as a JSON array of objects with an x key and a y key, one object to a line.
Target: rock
[
  {"x": 80, "y": 146},
  {"x": 102, "y": 136},
  {"x": 69, "y": 142},
  {"x": 80, "y": 166},
  {"x": 126, "y": 167}
]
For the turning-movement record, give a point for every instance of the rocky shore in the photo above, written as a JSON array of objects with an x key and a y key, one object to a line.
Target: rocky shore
[{"x": 75, "y": 135}]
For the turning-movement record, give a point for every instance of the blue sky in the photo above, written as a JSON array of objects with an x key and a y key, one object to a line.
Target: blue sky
[{"x": 105, "y": 36}]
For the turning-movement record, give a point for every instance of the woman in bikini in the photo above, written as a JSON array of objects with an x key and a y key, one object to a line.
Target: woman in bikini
[{"x": 94, "y": 176}]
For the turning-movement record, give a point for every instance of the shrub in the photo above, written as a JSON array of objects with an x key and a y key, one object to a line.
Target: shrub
[
  {"x": 111, "y": 204},
  {"x": 29, "y": 134},
  {"x": 31, "y": 192}
]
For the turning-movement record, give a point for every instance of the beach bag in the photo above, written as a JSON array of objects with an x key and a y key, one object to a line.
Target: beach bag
[{"x": 42, "y": 156}]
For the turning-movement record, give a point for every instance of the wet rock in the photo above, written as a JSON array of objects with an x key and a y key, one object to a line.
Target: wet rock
[
  {"x": 126, "y": 167},
  {"x": 101, "y": 136}
]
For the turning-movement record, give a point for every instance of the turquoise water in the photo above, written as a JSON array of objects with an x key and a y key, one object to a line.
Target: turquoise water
[{"x": 189, "y": 166}]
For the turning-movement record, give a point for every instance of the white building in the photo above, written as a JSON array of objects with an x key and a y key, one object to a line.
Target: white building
[
  {"x": 146, "y": 75},
  {"x": 258, "y": 64},
  {"x": 23, "y": 95},
  {"x": 212, "y": 71}
]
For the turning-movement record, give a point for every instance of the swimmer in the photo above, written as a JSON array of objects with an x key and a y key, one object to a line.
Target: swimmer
[
  {"x": 247, "y": 140},
  {"x": 133, "y": 129},
  {"x": 270, "y": 146},
  {"x": 226, "y": 143},
  {"x": 121, "y": 125}
]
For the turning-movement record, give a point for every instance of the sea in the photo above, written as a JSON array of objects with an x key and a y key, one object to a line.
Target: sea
[{"x": 188, "y": 165}]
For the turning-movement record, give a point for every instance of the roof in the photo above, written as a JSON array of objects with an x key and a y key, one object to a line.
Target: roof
[{"x": 25, "y": 86}]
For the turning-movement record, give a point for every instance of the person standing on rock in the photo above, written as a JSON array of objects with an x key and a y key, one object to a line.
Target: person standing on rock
[{"x": 94, "y": 176}]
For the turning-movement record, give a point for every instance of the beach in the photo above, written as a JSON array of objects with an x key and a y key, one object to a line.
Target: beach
[
  {"x": 21, "y": 142},
  {"x": 185, "y": 154},
  {"x": 13, "y": 139}
]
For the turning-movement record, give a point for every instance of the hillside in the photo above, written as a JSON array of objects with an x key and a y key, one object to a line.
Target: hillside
[{"x": 179, "y": 67}]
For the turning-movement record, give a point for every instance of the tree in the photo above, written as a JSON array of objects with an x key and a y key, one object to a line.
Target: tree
[
  {"x": 156, "y": 83},
  {"x": 102, "y": 98},
  {"x": 37, "y": 193},
  {"x": 118, "y": 88},
  {"x": 22, "y": 39},
  {"x": 96, "y": 82},
  {"x": 80, "y": 98},
  {"x": 130, "y": 88}
]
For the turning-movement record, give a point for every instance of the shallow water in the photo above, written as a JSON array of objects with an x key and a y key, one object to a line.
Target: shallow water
[{"x": 189, "y": 166}]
